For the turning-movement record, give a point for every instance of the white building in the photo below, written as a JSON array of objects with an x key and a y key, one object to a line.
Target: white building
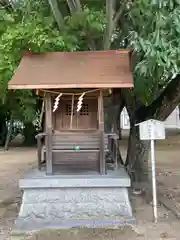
[{"x": 172, "y": 122}]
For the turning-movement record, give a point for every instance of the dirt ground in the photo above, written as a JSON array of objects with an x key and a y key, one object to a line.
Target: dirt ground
[{"x": 15, "y": 162}]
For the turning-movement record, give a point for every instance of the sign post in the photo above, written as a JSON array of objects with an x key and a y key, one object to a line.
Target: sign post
[
  {"x": 152, "y": 130},
  {"x": 153, "y": 167}
]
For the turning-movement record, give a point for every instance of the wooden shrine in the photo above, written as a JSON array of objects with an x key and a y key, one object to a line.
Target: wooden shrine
[
  {"x": 74, "y": 86},
  {"x": 76, "y": 187}
]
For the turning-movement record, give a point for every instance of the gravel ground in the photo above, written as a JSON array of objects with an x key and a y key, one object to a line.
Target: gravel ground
[{"x": 15, "y": 162}]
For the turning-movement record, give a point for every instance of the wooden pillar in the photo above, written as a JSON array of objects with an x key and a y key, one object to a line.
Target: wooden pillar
[
  {"x": 48, "y": 116},
  {"x": 101, "y": 130}
]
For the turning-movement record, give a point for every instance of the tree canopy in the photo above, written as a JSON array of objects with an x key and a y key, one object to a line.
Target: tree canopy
[
  {"x": 150, "y": 28},
  {"x": 156, "y": 44}
]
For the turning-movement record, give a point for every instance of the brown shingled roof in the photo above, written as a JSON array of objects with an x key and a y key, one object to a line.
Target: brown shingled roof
[{"x": 93, "y": 69}]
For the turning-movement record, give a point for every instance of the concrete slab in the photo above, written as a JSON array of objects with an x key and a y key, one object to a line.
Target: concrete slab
[
  {"x": 24, "y": 227},
  {"x": 69, "y": 199},
  {"x": 39, "y": 179}
]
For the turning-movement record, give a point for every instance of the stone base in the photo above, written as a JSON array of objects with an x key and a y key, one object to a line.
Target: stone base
[{"x": 74, "y": 201}]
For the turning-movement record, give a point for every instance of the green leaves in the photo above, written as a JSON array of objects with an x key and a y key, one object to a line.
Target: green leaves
[
  {"x": 27, "y": 29},
  {"x": 150, "y": 27},
  {"x": 86, "y": 22},
  {"x": 155, "y": 34}
]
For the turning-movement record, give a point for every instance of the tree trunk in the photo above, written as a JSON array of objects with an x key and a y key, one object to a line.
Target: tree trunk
[
  {"x": 137, "y": 153},
  {"x": 137, "y": 157},
  {"x": 3, "y": 131},
  {"x": 118, "y": 123},
  {"x": 3, "y": 125},
  {"x": 8, "y": 137},
  {"x": 119, "y": 157},
  {"x": 119, "y": 129},
  {"x": 163, "y": 106},
  {"x": 29, "y": 133}
]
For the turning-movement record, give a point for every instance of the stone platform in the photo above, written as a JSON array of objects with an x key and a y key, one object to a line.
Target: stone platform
[{"x": 66, "y": 200}]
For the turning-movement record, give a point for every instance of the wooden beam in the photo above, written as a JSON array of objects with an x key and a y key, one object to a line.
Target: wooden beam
[
  {"x": 73, "y": 85},
  {"x": 101, "y": 130},
  {"x": 48, "y": 115},
  {"x": 39, "y": 138},
  {"x": 39, "y": 152},
  {"x": 115, "y": 143}
]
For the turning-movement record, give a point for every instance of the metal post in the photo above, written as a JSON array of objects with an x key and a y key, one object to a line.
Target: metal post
[{"x": 154, "y": 181}]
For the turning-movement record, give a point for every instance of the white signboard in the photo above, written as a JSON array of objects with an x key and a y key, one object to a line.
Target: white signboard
[{"x": 151, "y": 130}]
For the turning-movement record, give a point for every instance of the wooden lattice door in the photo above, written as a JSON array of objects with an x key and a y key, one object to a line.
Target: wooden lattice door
[{"x": 86, "y": 118}]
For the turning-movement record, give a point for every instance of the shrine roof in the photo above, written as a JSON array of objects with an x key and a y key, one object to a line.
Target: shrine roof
[{"x": 89, "y": 69}]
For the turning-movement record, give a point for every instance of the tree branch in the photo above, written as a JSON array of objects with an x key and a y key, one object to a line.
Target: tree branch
[
  {"x": 71, "y": 5},
  {"x": 162, "y": 107},
  {"x": 74, "y": 5},
  {"x": 119, "y": 13},
  {"x": 112, "y": 19},
  {"x": 109, "y": 24},
  {"x": 56, "y": 13},
  {"x": 8, "y": 5},
  {"x": 78, "y": 5},
  {"x": 132, "y": 103}
]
